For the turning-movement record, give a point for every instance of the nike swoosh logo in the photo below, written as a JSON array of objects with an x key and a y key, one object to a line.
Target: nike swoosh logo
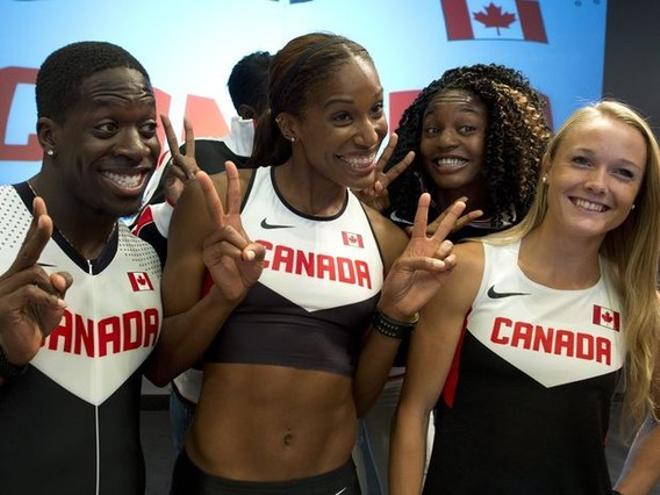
[
  {"x": 266, "y": 225},
  {"x": 341, "y": 491},
  {"x": 499, "y": 295},
  {"x": 46, "y": 264},
  {"x": 396, "y": 218}
]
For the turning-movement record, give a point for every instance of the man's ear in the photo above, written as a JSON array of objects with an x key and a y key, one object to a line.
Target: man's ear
[
  {"x": 246, "y": 111},
  {"x": 46, "y": 131},
  {"x": 288, "y": 125}
]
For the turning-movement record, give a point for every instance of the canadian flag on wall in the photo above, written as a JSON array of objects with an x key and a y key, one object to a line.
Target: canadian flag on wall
[
  {"x": 140, "y": 281},
  {"x": 606, "y": 317},
  {"x": 494, "y": 20}
]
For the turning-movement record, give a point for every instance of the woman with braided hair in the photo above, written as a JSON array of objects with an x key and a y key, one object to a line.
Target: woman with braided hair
[{"x": 477, "y": 132}]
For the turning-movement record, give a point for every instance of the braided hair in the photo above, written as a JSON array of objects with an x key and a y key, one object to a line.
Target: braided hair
[{"x": 516, "y": 139}]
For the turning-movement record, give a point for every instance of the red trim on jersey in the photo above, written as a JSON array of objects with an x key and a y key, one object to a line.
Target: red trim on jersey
[
  {"x": 207, "y": 283},
  {"x": 451, "y": 383},
  {"x": 145, "y": 218}
]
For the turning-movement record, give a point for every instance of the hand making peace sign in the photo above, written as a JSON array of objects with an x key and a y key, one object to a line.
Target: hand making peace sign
[
  {"x": 420, "y": 270},
  {"x": 234, "y": 262},
  {"x": 31, "y": 301},
  {"x": 377, "y": 196}
]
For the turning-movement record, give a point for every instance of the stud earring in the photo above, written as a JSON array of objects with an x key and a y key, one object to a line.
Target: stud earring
[
  {"x": 292, "y": 139},
  {"x": 633, "y": 206},
  {"x": 50, "y": 152},
  {"x": 544, "y": 179}
]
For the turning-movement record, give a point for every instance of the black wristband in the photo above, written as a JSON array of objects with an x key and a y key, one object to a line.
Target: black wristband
[
  {"x": 391, "y": 327},
  {"x": 7, "y": 369}
]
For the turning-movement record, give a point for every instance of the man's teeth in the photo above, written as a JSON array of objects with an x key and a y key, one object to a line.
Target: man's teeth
[
  {"x": 450, "y": 162},
  {"x": 588, "y": 205},
  {"x": 124, "y": 180}
]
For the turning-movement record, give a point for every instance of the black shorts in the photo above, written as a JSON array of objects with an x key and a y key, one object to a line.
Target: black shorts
[{"x": 188, "y": 479}]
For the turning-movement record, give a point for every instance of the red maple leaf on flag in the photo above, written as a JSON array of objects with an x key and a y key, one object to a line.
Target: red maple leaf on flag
[{"x": 492, "y": 16}]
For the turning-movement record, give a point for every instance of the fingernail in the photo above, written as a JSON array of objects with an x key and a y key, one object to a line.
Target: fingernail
[
  {"x": 438, "y": 264},
  {"x": 249, "y": 255},
  {"x": 61, "y": 302}
]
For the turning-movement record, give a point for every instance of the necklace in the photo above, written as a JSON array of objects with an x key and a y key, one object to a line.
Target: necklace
[{"x": 66, "y": 239}]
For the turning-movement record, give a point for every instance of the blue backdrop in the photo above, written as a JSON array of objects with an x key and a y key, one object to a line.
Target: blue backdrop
[{"x": 190, "y": 47}]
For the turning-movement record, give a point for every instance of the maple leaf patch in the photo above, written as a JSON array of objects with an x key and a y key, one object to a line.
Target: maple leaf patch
[{"x": 492, "y": 16}]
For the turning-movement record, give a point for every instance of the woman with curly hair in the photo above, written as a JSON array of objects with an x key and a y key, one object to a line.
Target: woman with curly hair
[{"x": 477, "y": 132}]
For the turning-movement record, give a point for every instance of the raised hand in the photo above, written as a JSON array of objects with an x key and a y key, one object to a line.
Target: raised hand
[
  {"x": 377, "y": 196},
  {"x": 234, "y": 262},
  {"x": 31, "y": 301},
  {"x": 181, "y": 167},
  {"x": 419, "y": 271},
  {"x": 460, "y": 223}
]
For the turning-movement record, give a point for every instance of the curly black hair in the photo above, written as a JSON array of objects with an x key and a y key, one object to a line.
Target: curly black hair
[
  {"x": 516, "y": 139},
  {"x": 62, "y": 73}
]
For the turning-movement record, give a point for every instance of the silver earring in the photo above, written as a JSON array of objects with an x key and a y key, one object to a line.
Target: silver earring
[
  {"x": 544, "y": 179},
  {"x": 50, "y": 152},
  {"x": 292, "y": 139},
  {"x": 633, "y": 206}
]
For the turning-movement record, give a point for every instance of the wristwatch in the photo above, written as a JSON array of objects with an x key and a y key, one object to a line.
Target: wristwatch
[{"x": 9, "y": 370}]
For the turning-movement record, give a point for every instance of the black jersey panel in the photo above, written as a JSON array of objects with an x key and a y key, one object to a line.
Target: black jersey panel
[
  {"x": 268, "y": 329},
  {"x": 505, "y": 426}
]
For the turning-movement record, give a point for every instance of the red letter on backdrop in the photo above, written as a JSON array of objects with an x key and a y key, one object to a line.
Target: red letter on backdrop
[
  {"x": 205, "y": 117},
  {"x": 10, "y": 77}
]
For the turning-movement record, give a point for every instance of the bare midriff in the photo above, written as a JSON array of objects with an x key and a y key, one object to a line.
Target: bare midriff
[{"x": 271, "y": 423}]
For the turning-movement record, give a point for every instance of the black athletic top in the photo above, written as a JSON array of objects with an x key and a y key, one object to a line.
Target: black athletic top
[
  {"x": 315, "y": 297},
  {"x": 525, "y": 407}
]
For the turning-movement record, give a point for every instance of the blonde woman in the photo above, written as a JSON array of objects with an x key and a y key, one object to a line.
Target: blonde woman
[{"x": 530, "y": 334}]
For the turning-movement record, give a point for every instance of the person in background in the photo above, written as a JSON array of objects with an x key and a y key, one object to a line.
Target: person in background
[
  {"x": 524, "y": 345},
  {"x": 71, "y": 371},
  {"x": 478, "y": 133},
  {"x": 293, "y": 270},
  {"x": 248, "y": 88}
]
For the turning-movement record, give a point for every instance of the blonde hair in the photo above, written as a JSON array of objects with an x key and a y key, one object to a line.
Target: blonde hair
[{"x": 632, "y": 250}]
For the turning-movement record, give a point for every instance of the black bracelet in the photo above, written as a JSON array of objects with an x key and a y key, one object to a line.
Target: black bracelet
[
  {"x": 391, "y": 327},
  {"x": 9, "y": 370}
]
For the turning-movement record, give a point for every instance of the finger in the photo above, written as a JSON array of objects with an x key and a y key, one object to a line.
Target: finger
[
  {"x": 423, "y": 263},
  {"x": 233, "y": 189},
  {"x": 33, "y": 295},
  {"x": 444, "y": 250},
  {"x": 227, "y": 234},
  {"x": 421, "y": 215},
  {"x": 214, "y": 253},
  {"x": 190, "y": 138},
  {"x": 61, "y": 281},
  {"x": 33, "y": 275},
  {"x": 36, "y": 238},
  {"x": 466, "y": 219},
  {"x": 172, "y": 141},
  {"x": 254, "y": 252},
  {"x": 175, "y": 172},
  {"x": 446, "y": 225},
  {"x": 212, "y": 200},
  {"x": 397, "y": 169},
  {"x": 387, "y": 152}
]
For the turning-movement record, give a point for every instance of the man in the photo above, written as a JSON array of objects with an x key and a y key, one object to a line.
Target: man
[
  {"x": 71, "y": 371},
  {"x": 248, "y": 88}
]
